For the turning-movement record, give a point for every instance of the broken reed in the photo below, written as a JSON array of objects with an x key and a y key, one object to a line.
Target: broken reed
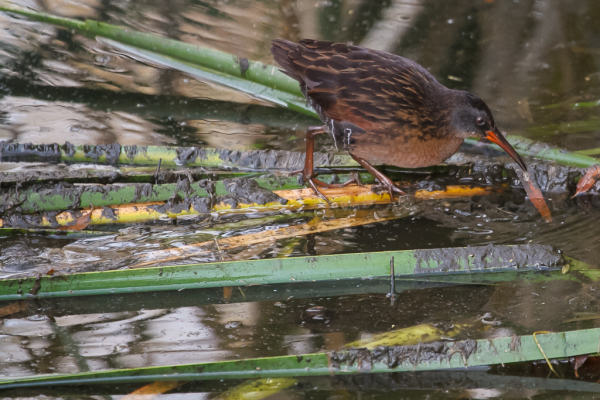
[
  {"x": 244, "y": 160},
  {"x": 297, "y": 199}
]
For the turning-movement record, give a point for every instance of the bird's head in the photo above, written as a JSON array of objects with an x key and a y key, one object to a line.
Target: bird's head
[{"x": 471, "y": 117}]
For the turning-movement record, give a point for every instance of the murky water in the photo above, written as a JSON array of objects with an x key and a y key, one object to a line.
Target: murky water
[{"x": 536, "y": 63}]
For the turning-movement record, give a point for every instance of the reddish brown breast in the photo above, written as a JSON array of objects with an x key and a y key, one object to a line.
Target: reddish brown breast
[{"x": 406, "y": 151}]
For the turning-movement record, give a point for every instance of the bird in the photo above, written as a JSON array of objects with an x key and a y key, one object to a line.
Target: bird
[{"x": 382, "y": 108}]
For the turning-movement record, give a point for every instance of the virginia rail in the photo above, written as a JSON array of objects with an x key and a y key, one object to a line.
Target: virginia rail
[{"x": 382, "y": 108}]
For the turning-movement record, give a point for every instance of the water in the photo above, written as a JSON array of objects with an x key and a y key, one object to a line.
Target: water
[{"x": 535, "y": 63}]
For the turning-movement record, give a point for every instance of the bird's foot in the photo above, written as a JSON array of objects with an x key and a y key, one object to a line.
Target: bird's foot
[
  {"x": 385, "y": 183},
  {"x": 389, "y": 187},
  {"x": 309, "y": 177},
  {"x": 588, "y": 180},
  {"x": 313, "y": 184}
]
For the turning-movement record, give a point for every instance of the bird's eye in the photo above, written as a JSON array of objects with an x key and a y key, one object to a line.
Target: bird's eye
[{"x": 480, "y": 121}]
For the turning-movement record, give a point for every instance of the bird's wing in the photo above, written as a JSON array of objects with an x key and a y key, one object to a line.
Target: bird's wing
[{"x": 371, "y": 89}]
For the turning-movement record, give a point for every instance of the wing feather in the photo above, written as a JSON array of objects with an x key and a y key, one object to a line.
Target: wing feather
[{"x": 373, "y": 90}]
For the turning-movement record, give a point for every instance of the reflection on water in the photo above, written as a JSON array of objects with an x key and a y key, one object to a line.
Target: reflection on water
[
  {"x": 480, "y": 221},
  {"x": 535, "y": 62},
  {"x": 220, "y": 324},
  {"x": 203, "y": 325}
]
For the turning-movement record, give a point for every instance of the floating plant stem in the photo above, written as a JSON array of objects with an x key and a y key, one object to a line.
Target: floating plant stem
[
  {"x": 296, "y": 199},
  {"x": 441, "y": 355},
  {"x": 500, "y": 263}
]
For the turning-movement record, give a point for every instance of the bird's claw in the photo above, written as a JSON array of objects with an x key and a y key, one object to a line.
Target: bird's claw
[
  {"x": 317, "y": 192},
  {"x": 315, "y": 183},
  {"x": 309, "y": 178},
  {"x": 389, "y": 187},
  {"x": 588, "y": 180}
]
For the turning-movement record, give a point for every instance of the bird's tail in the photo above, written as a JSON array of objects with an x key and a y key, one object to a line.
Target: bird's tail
[{"x": 281, "y": 49}]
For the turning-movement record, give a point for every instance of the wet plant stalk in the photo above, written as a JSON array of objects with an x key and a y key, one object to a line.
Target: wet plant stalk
[
  {"x": 83, "y": 196},
  {"x": 173, "y": 157},
  {"x": 500, "y": 263},
  {"x": 297, "y": 199},
  {"x": 431, "y": 356}
]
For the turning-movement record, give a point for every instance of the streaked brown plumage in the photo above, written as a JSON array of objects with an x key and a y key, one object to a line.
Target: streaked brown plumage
[{"x": 382, "y": 108}]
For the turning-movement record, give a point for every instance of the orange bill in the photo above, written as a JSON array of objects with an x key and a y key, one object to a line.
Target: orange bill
[
  {"x": 496, "y": 137},
  {"x": 534, "y": 194},
  {"x": 533, "y": 191}
]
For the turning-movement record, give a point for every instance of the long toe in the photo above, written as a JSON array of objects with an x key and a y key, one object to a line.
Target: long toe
[
  {"x": 317, "y": 192},
  {"x": 392, "y": 190}
]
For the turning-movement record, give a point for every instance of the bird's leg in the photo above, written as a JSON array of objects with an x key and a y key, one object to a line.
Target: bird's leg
[
  {"x": 308, "y": 173},
  {"x": 385, "y": 182}
]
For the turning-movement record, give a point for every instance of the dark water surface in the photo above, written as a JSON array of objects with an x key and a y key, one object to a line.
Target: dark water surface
[{"x": 535, "y": 62}]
